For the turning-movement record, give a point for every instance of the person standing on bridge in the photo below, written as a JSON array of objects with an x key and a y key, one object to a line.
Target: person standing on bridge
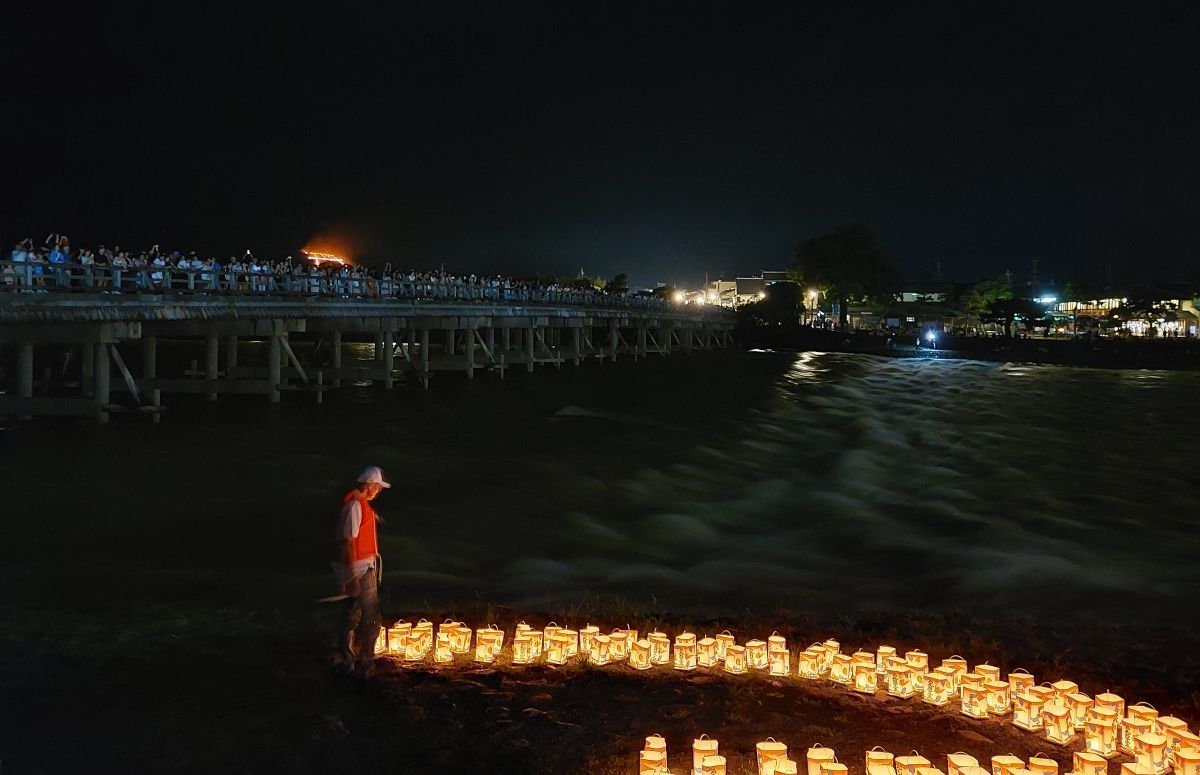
[{"x": 358, "y": 567}]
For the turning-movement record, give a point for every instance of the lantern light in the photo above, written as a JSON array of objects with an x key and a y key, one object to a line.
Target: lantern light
[
  {"x": 831, "y": 647},
  {"x": 939, "y": 686},
  {"x": 776, "y": 641},
  {"x": 1079, "y": 704},
  {"x": 1150, "y": 750},
  {"x": 918, "y": 666},
  {"x": 973, "y": 698},
  {"x": 701, "y": 747},
  {"x": 883, "y": 769},
  {"x": 1128, "y": 731},
  {"x": 1088, "y": 763},
  {"x": 618, "y": 645},
  {"x": 1144, "y": 710},
  {"x": 818, "y": 755},
  {"x": 988, "y": 671},
  {"x": 1063, "y": 689},
  {"x": 1187, "y": 761},
  {"x": 735, "y": 659},
  {"x": 780, "y": 662},
  {"x": 810, "y": 661},
  {"x": 881, "y": 656},
  {"x": 550, "y": 629},
  {"x": 974, "y": 771},
  {"x": 656, "y": 742},
  {"x": 442, "y": 652},
  {"x": 522, "y": 646},
  {"x": 833, "y": 768},
  {"x": 685, "y": 651},
  {"x": 768, "y": 752},
  {"x": 1019, "y": 680},
  {"x": 842, "y": 671},
  {"x": 756, "y": 654},
  {"x": 1007, "y": 764},
  {"x": 713, "y": 765},
  {"x": 908, "y": 765},
  {"x": 397, "y": 637},
  {"x": 1136, "y": 768},
  {"x": 651, "y": 762},
  {"x": 998, "y": 702},
  {"x": 1057, "y": 721},
  {"x": 1178, "y": 739},
  {"x": 865, "y": 678},
  {"x": 929, "y": 771},
  {"x": 660, "y": 648},
  {"x": 556, "y": 648},
  {"x": 1100, "y": 732},
  {"x": 599, "y": 655},
  {"x": 585, "y": 639},
  {"x": 492, "y": 637},
  {"x": 380, "y": 646},
  {"x": 724, "y": 641},
  {"x": 899, "y": 679},
  {"x": 706, "y": 652},
  {"x": 1114, "y": 701},
  {"x": 639, "y": 655},
  {"x": 957, "y": 761},
  {"x": 1039, "y": 764},
  {"x": 1027, "y": 711},
  {"x": 877, "y": 757},
  {"x": 959, "y": 665},
  {"x": 570, "y": 639},
  {"x": 781, "y": 767},
  {"x": 420, "y": 641}
]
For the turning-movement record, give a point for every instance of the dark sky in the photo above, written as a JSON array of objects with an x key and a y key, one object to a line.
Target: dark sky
[{"x": 665, "y": 141}]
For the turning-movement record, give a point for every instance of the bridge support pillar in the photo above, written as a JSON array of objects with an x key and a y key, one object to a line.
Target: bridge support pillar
[
  {"x": 641, "y": 341},
  {"x": 379, "y": 347},
  {"x": 103, "y": 385},
  {"x": 150, "y": 366},
  {"x": 614, "y": 336},
  {"x": 469, "y": 351},
  {"x": 577, "y": 342},
  {"x": 211, "y": 353},
  {"x": 425, "y": 358},
  {"x": 274, "y": 354},
  {"x": 530, "y": 338},
  {"x": 337, "y": 357}
]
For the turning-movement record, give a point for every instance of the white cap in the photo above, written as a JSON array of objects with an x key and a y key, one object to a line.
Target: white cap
[{"x": 373, "y": 475}]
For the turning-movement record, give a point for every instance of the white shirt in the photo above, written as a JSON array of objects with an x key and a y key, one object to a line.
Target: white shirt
[{"x": 349, "y": 524}]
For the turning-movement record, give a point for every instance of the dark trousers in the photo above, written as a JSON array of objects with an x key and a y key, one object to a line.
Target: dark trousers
[{"x": 360, "y": 629}]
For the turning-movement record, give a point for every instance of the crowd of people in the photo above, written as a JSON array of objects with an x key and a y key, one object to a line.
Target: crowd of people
[{"x": 54, "y": 265}]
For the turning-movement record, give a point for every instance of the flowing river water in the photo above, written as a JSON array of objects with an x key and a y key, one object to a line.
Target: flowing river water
[{"x": 740, "y": 481}]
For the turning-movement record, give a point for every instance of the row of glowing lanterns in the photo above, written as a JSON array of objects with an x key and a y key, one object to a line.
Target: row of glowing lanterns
[
  {"x": 1059, "y": 710},
  {"x": 771, "y": 758}
]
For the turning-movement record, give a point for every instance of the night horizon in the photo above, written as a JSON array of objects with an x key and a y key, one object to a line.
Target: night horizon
[{"x": 665, "y": 145}]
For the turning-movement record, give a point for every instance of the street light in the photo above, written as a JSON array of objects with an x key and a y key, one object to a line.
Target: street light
[{"x": 680, "y": 296}]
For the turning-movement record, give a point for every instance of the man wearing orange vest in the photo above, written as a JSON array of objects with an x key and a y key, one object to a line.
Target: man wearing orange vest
[{"x": 357, "y": 566}]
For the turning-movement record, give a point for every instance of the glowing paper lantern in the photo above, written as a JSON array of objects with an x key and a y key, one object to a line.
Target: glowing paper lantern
[
  {"x": 556, "y": 649},
  {"x": 455, "y": 639},
  {"x": 863, "y": 657},
  {"x": 1007, "y": 764},
  {"x": 958, "y": 665},
  {"x": 660, "y": 648},
  {"x": 1128, "y": 730},
  {"x": 780, "y": 662},
  {"x": 833, "y": 768},
  {"x": 974, "y": 771},
  {"x": 380, "y": 646},
  {"x": 776, "y": 641},
  {"x": 724, "y": 641},
  {"x": 484, "y": 653},
  {"x": 420, "y": 641},
  {"x": 882, "y": 654},
  {"x": 713, "y": 765},
  {"x": 877, "y": 757},
  {"x": 955, "y": 762},
  {"x": 865, "y": 678},
  {"x": 998, "y": 703},
  {"x": 492, "y": 637},
  {"x": 571, "y": 640},
  {"x": 1187, "y": 761},
  {"x": 1027, "y": 711},
  {"x": 639, "y": 655},
  {"x": 918, "y": 665},
  {"x": 618, "y": 645},
  {"x": 987, "y": 671},
  {"x": 809, "y": 663},
  {"x": 1178, "y": 739},
  {"x": 1135, "y": 768},
  {"x": 702, "y": 747},
  {"x": 780, "y": 767},
  {"x": 973, "y": 699},
  {"x": 818, "y": 755},
  {"x": 1088, "y": 763},
  {"x": 1150, "y": 750},
  {"x": 1100, "y": 732},
  {"x": 899, "y": 680},
  {"x": 651, "y": 761},
  {"x": 685, "y": 651},
  {"x": 831, "y": 647},
  {"x": 908, "y": 765},
  {"x": 599, "y": 655},
  {"x": 1114, "y": 701},
  {"x": 939, "y": 686},
  {"x": 585, "y": 638},
  {"x": 442, "y": 652},
  {"x": 1064, "y": 689},
  {"x": 756, "y": 654},
  {"x": 706, "y": 652},
  {"x": 735, "y": 659},
  {"x": 1019, "y": 680},
  {"x": 1145, "y": 711},
  {"x": 842, "y": 671},
  {"x": 1056, "y": 720},
  {"x": 881, "y": 769},
  {"x": 929, "y": 771},
  {"x": 522, "y": 648},
  {"x": 1078, "y": 704},
  {"x": 768, "y": 752},
  {"x": 397, "y": 637},
  {"x": 548, "y": 630},
  {"x": 657, "y": 743}
]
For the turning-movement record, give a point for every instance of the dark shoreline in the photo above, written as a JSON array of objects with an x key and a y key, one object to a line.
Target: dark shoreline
[{"x": 1103, "y": 353}]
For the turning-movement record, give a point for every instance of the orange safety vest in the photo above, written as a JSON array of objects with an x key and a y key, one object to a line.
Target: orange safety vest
[{"x": 365, "y": 545}]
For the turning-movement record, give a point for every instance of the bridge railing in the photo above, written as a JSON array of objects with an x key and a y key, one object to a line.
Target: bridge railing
[{"x": 24, "y": 277}]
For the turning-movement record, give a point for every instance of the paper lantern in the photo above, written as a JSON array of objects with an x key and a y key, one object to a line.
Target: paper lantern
[
  {"x": 831, "y": 647},
  {"x": 442, "y": 652},
  {"x": 987, "y": 671},
  {"x": 959, "y": 665},
  {"x": 713, "y": 765},
  {"x": 918, "y": 665},
  {"x": 702, "y": 747},
  {"x": 899, "y": 681},
  {"x": 756, "y": 654},
  {"x": 865, "y": 678},
  {"x": 818, "y": 755},
  {"x": 998, "y": 703},
  {"x": 1168, "y": 724},
  {"x": 863, "y": 657},
  {"x": 974, "y": 771},
  {"x": 571, "y": 640},
  {"x": 522, "y": 648},
  {"x": 908, "y": 765},
  {"x": 651, "y": 761},
  {"x": 769, "y": 751},
  {"x": 706, "y": 652},
  {"x": 585, "y": 639},
  {"x": 780, "y": 767},
  {"x": 877, "y": 757},
  {"x": 458, "y": 636},
  {"x": 558, "y": 647},
  {"x": 397, "y": 637},
  {"x": 1114, "y": 701},
  {"x": 724, "y": 641},
  {"x": 929, "y": 771},
  {"x": 1100, "y": 732},
  {"x": 660, "y": 648},
  {"x": 1128, "y": 730},
  {"x": 1007, "y": 764},
  {"x": 639, "y": 655},
  {"x": 1088, "y": 763},
  {"x": 599, "y": 655},
  {"x": 833, "y": 768},
  {"x": 1187, "y": 761},
  {"x": 810, "y": 662},
  {"x": 534, "y": 637},
  {"x": 618, "y": 645},
  {"x": 1078, "y": 704},
  {"x": 492, "y": 637},
  {"x": 1056, "y": 720},
  {"x": 973, "y": 699},
  {"x": 780, "y": 662},
  {"x": 1063, "y": 689},
  {"x": 657, "y": 743},
  {"x": 420, "y": 641},
  {"x": 939, "y": 686},
  {"x": 735, "y": 659},
  {"x": 1135, "y": 768},
  {"x": 1019, "y": 680},
  {"x": 842, "y": 671},
  {"x": 1178, "y": 739},
  {"x": 955, "y": 762},
  {"x": 380, "y": 646},
  {"x": 548, "y": 630},
  {"x": 1144, "y": 711},
  {"x": 1027, "y": 711},
  {"x": 776, "y": 641},
  {"x": 1150, "y": 750},
  {"x": 881, "y": 769},
  {"x": 881, "y": 656},
  {"x": 685, "y": 651}
]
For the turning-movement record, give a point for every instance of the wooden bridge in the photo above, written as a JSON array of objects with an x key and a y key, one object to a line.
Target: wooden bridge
[{"x": 305, "y": 338}]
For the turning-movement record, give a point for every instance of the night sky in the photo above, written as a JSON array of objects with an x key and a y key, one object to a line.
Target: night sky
[{"x": 665, "y": 141}]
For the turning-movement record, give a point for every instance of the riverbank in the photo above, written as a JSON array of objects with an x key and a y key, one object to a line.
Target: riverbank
[{"x": 1104, "y": 353}]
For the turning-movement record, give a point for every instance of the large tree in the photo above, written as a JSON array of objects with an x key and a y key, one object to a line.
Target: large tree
[{"x": 846, "y": 265}]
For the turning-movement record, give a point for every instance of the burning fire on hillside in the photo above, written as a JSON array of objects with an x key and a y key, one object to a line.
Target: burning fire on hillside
[{"x": 322, "y": 259}]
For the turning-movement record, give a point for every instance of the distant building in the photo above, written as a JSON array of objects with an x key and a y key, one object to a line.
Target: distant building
[
  {"x": 750, "y": 289},
  {"x": 743, "y": 290}
]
